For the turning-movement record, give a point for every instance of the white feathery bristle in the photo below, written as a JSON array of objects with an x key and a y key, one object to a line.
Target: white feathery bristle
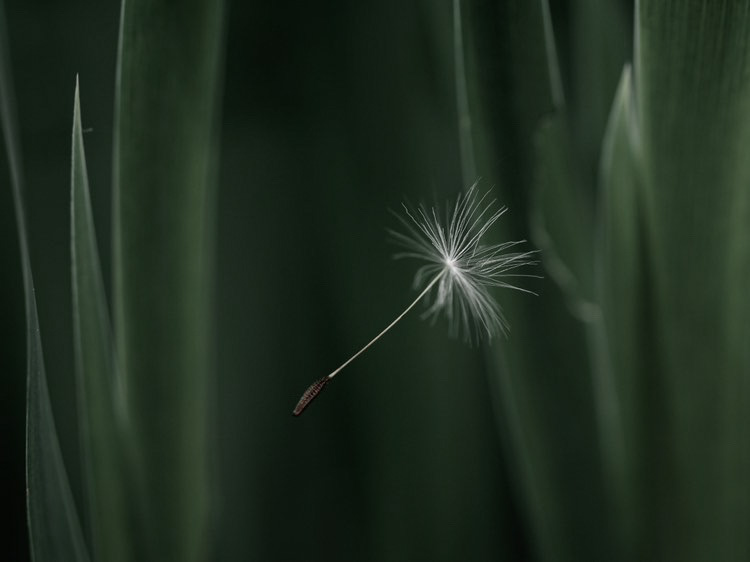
[{"x": 451, "y": 246}]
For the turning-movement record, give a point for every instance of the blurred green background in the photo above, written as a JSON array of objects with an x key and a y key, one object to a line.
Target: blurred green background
[{"x": 330, "y": 116}]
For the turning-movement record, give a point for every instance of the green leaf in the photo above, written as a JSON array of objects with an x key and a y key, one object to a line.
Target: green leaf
[
  {"x": 619, "y": 252},
  {"x": 599, "y": 45},
  {"x": 568, "y": 146},
  {"x": 101, "y": 406},
  {"x": 692, "y": 75},
  {"x": 563, "y": 224},
  {"x": 545, "y": 403},
  {"x": 54, "y": 529},
  {"x": 53, "y": 522},
  {"x": 562, "y": 216},
  {"x": 164, "y": 190},
  {"x": 625, "y": 336},
  {"x": 465, "y": 137}
]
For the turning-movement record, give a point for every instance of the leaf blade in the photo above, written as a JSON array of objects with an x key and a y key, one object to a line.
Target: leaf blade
[
  {"x": 626, "y": 341},
  {"x": 165, "y": 116},
  {"x": 562, "y": 216},
  {"x": 535, "y": 421},
  {"x": 101, "y": 407},
  {"x": 54, "y": 529},
  {"x": 693, "y": 88}
]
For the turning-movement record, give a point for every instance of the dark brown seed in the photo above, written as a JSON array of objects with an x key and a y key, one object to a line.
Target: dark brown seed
[{"x": 312, "y": 391}]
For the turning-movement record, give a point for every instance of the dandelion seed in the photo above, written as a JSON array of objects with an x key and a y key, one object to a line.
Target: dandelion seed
[{"x": 457, "y": 265}]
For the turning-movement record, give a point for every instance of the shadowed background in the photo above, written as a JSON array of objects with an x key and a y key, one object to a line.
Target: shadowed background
[{"x": 330, "y": 117}]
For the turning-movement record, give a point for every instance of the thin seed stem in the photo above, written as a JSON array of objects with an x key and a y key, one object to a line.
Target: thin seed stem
[
  {"x": 391, "y": 325},
  {"x": 317, "y": 387}
]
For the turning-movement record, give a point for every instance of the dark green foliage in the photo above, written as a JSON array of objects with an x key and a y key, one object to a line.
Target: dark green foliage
[
  {"x": 650, "y": 261},
  {"x": 106, "y": 445},
  {"x": 611, "y": 424},
  {"x": 54, "y": 528},
  {"x": 163, "y": 217}
]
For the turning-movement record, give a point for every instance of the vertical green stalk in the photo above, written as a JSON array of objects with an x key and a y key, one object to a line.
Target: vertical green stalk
[
  {"x": 465, "y": 140},
  {"x": 100, "y": 407},
  {"x": 54, "y": 528},
  {"x": 165, "y": 127},
  {"x": 546, "y": 400},
  {"x": 692, "y": 63}
]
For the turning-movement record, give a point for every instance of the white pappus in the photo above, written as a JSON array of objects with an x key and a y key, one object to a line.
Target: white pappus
[{"x": 458, "y": 265}]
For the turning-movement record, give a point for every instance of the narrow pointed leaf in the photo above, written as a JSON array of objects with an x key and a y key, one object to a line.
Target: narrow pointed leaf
[
  {"x": 99, "y": 390},
  {"x": 54, "y": 528},
  {"x": 626, "y": 342},
  {"x": 619, "y": 249}
]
